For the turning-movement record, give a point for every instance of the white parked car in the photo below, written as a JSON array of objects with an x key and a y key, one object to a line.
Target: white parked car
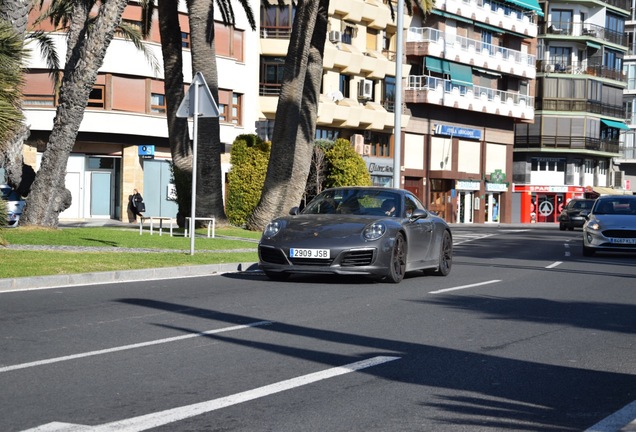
[{"x": 15, "y": 204}]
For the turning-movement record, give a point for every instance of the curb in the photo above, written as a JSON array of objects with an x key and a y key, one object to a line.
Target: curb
[{"x": 121, "y": 276}]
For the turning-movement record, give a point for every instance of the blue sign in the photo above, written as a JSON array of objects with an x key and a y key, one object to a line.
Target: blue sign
[
  {"x": 459, "y": 132},
  {"x": 146, "y": 151}
]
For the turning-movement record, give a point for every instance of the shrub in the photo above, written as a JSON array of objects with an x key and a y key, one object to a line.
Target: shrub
[
  {"x": 248, "y": 158},
  {"x": 345, "y": 166}
]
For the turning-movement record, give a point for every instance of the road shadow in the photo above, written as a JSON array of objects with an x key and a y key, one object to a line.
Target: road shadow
[{"x": 518, "y": 394}]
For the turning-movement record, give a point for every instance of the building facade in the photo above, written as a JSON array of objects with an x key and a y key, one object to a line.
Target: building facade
[
  {"x": 625, "y": 164},
  {"x": 123, "y": 139},
  {"x": 568, "y": 151}
]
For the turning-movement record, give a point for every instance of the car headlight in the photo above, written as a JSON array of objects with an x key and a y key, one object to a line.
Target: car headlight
[
  {"x": 374, "y": 231},
  {"x": 272, "y": 229},
  {"x": 594, "y": 225}
]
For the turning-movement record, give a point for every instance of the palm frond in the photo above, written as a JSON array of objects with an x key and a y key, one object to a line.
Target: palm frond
[
  {"x": 133, "y": 34},
  {"x": 49, "y": 54}
]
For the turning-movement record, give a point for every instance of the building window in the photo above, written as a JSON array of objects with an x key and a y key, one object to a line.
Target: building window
[
  {"x": 562, "y": 21},
  {"x": 344, "y": 85},
  {"x": 185, "y": 40},
  {"x": 229, "y": 107},
  {"x": 276, "y": 22},
  {"x": 388, "y": 97},
  {"x": 228, "y": 41},
  {"x": 39, "y": 100},
  {"x": 271, "y": 75},
  {"x": 96, "y": 97},
  {"x": 348, "y": 34},
  {"x": 157, "y": 103}
]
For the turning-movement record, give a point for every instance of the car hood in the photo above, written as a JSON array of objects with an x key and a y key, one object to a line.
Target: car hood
[{"x": 323, "y": 226}]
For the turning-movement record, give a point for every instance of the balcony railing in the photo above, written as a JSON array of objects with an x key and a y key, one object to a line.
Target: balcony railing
[
  {"x": 580, "y": 105},
  {"x": 566, "y": 28},
  {"x": 566, "y": 142},
  {"x": 424, "y": 82},
  {"x": 428, "y": 34},
  {"x": 271, "y": 32},
  {"x": 591, "y": 66}
]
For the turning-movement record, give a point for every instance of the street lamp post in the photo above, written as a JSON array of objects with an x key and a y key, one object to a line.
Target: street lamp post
[{"x": 397, "y": 109}]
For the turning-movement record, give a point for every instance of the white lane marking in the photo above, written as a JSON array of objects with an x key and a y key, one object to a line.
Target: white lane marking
[
  {"x": 465, "y": 238},
  {"x": 615, "y": 422},
  {"x": 554, "y": 264},
  {"x": 172, "y": 415},
  {"x": 465, "y": 286},
  {"x": 128, "y": 347}
]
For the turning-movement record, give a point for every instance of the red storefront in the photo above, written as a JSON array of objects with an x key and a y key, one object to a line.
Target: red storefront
[{"x": 544, "y": 203}]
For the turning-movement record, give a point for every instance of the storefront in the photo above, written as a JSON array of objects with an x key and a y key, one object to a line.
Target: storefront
[
  {"x": 467, "y": 200},
  {"x": 544, "y": 203},
  {"x": 381, "y": 171}
]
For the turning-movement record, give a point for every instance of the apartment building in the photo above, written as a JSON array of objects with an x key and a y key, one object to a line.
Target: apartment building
[
  {"x": 123, "y": 139},
  {"x": 624, "y": 174},
  {"x": 579, "y": 120}
]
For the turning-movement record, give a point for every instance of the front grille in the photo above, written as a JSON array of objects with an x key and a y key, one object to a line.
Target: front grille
[
  {"x": 273, "y": 256},
  {"x": 620, "y": 233},
  {"x": 357, "y": 258},
  {"x": 311, "y": 261}
]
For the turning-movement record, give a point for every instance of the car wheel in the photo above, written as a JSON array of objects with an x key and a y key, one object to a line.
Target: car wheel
[
  {"x": 587, "y": 251},
  {"x": 445, "y": 255},
  {"x": 397, "y": 266},
  {"x": 562, "y": 226},
  {"x": 277, "y": 276}
]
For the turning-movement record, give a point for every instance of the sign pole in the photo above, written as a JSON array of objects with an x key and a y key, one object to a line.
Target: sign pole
[{"x": 194, "y": 166}]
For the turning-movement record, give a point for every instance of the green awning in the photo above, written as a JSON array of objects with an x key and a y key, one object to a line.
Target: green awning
[
  {"x": 451, "y": 16},
  {"x": 532, "y": 5},
  {"x": 434, "y": 64},
  {"x": 615, "y": 124},
  {"x": 593, "y": 45},
  {"x": 495, "y": 30},
  {"x": 461, "y": 74}
]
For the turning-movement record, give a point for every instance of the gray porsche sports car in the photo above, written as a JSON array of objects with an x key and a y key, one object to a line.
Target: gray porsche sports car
[{"x": 372, "y": 231}]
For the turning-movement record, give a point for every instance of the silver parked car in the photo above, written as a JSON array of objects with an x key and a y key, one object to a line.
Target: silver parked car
[
  {"x": 15, "y": 204},
  {"x": 611, "y": 225},
  {"x": 372, "y": 231}
]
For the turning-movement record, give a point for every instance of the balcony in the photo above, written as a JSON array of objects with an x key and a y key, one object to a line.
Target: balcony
[
  {"x": 566, "y": 143},
  {"x": 591, "y": 66},
  {"x": 589, "y": 31},
  {"x": 580, "y": 105},
  {"x": 494, "y": 13},
  {"x": 423, "y": 41},
  {"x": 438, "y": 91}
]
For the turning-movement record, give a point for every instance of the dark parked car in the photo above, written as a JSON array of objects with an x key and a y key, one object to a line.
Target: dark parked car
[
  {"x": 574, "y": 213},
  {"x": 611, "y": 225},
  {"x": 372, "y": 231},
  {"x": 14, "y": 202}
]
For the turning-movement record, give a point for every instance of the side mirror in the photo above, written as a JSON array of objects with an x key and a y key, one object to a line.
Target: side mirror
[
  {"x": 294, "y": 211},
  {"x": 418, "y": 214}
]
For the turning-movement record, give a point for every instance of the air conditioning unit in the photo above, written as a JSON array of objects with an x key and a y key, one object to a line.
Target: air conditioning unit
[
  {"x": 357, "y": 140},
  {"x": 367, "y": 150},
  {"x": 335, "y": 36},
  {"x": 548, "y": 68},
  {"x": 365, "y": 89},
  {"x": 618, "y": 178}
]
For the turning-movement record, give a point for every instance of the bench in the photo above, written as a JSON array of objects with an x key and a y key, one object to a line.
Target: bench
[
  {"x": 152, "y": 220},
  {"x": 209, "y": 220}
]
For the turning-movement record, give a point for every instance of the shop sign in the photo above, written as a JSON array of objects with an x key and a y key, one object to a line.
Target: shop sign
[
  {"x": 146, "y": 151},
  {"x": 496, "y": 187},
  {"x": 554, "y": 189},
  {"x": 497, "y": 176},
  {"x": 458, "y": 132},
  {"x": 376, "y": 168},
  {"x": 468, "y": 185}
]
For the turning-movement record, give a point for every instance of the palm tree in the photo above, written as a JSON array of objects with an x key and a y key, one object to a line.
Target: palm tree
[
  {"x": 296, "y": 113},
  {"x": 11, "y": 52},
  {"x": 87, "y": 40}
]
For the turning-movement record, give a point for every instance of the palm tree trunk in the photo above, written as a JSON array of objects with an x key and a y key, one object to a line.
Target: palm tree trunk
[
  {"x": 86, "y": 51},
  {"x": 178, "y": 139},
  {"x": 296, "y": 114},
  {"x": 209, "y": 176}
]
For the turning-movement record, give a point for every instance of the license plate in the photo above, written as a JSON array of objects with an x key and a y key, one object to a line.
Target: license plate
[
  {"x": 309, "y": 253},
  {"x": 623, "y": 240}
]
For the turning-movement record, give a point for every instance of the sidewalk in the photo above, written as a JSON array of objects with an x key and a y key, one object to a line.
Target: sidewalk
[{"x": 122, "y": 276}]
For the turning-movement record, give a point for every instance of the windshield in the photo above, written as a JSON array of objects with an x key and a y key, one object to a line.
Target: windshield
[
  {"x": 370, "y": 202},
  {"x": 617, "y": 206}
]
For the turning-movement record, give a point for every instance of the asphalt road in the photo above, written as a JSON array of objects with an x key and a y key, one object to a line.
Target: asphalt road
[{"x": 524, "y": 335}]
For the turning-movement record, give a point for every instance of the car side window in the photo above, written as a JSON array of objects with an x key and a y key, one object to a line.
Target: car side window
[{"x": 409, "y": 205}]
